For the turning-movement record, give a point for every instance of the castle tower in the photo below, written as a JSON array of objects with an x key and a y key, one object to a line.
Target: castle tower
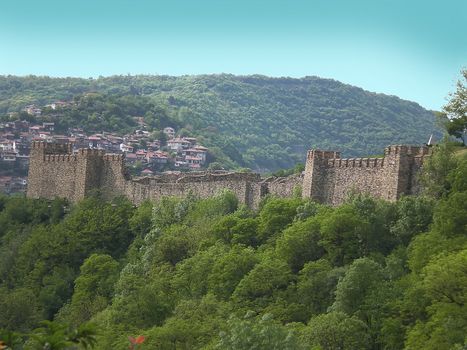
[
  {"x": 316, "y": 174},
  {"x": 330, "y": 179},
  {"x": 55, "y": 172}
]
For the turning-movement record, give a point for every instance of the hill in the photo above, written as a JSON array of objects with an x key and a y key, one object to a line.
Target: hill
[{"x": 247, "y": 121}]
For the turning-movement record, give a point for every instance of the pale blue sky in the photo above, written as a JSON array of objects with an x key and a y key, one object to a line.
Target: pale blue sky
[{"x": 412, "y": 49}]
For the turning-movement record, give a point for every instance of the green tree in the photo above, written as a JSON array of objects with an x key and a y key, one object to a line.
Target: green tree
[
  {"x": 275, "y": 215},
  {"x": 444, "y": 282},
  {"x": 229, "y": 269},
  {"x": 455, "y": 110},
  {"x": 299, "y": 243},
  {"x": 359, "y": 280},
  {"x": 436, "y": 169},
  {"x": 316, "y": 285},
  {"x": 336, "y": 331},
  {"x": 343, "y": 235},
  {"x": 251, "y": 333},
  {"x": 93, "y": 288}
]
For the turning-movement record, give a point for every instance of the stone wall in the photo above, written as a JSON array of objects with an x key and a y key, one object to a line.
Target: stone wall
[
  {"x": 55, "y": 171},
  {"x": 329, "y": 178}
]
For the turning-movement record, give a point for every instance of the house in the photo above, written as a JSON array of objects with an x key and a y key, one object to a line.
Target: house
[
  {"x": 7, "y": 145},
  {"x": 33, "y": 110},
  {"x": 126, "y": 148},
  {"x": 157, "y": 157},
  {"x": 45, "y": 135},
  {"x": 197, "y": 152},
  {"x": 177, "y": 144},
  {"x": 94, "y": 141},
  {"x": 191, "y": 140},
  {"x": 48, "y": 126},
  {"x": 170, "y": 132},
  {"x": 8, "y": 156},
  {"x": 35, "y": 129},
  {"x": 141, "y": 154},
  {"x": 58, "y": 104},
  {"x": 131, "y": 158},
  {"x": 180, "y": 164},
  {"x": 193, "y": 162},
  {"x": 154, "y": 145}
]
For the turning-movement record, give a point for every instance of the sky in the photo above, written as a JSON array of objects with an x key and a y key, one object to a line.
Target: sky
[{"x": 410, "y": 48}]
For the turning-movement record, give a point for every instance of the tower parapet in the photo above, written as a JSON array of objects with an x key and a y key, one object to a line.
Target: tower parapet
[{"x": 329, "y": 178}]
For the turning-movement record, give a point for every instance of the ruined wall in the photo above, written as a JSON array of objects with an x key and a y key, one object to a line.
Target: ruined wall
[
  {"x": 329, "y": 178},
  {"x": 244, "y": 186}
]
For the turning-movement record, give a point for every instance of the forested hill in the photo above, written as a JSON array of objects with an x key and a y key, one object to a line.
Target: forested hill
[{"x": 248, "y": 121}]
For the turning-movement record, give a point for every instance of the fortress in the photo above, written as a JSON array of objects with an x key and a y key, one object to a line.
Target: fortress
[{"x": 56, "y": 171}]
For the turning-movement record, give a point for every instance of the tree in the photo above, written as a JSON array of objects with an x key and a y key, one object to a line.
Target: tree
[
  {"x": 455, "y": 110},
  {"x": 344, "y": 235},
  {"x": 360, "y": 279},
  {"x": 299, "y": 243},
  {"x": 229, "y": 269},
  {"x": 445, "y": 284},
  {"x": 275, "y": 215},
  {"x": 261, "y": 334},
  {"x": 263, "y": 282},
  {"x": 336, "y": 331},
  {"x": 93, "y": 288},
  {"x": 59, "y": 336},
  {"x": 316, "y": 285},
  {"x": 436, "y": 169}
]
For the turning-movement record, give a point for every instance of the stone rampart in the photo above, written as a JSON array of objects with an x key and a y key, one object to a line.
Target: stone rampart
[
  {"x": 55, "y": 171},
  {"x": 329, "y": 178}
]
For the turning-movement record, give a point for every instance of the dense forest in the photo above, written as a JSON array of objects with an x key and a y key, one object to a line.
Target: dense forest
[
  {"x": 246, "y": 121},
  {"x": 209, "y": 274}
]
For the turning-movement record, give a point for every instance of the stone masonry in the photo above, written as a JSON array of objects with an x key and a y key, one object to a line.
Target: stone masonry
[{"x": 55, "y": 171}]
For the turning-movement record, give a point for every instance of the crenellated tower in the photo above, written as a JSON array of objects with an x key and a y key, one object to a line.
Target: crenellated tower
[{"x": 329, "y": 178}]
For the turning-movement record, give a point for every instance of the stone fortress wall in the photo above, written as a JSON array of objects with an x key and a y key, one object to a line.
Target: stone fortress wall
[
  {"x": 55, "y": 171},
  {"x": 329, "y": 178}
]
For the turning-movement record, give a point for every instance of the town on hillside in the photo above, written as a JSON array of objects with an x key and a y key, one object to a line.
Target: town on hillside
[{"x": 144, "y": 155}]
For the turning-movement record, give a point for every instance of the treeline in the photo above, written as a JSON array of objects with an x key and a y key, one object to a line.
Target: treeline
[
  {"x": 210, "y": 274},
  {"x": 246, "y": 121}
]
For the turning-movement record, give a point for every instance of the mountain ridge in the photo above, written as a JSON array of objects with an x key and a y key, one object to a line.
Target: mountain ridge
[{"x": 255, "y": 121}]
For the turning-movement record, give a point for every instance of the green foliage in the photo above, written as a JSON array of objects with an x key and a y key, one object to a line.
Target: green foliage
[
  {"x": 94, "y": 288},
  {"x": 436, "y": 170},
  {"x": 246, "y": 121},
  {"x": 365, "y": 275},
  {"x": 228, "y": 270},
  {"x": 444, "y": 282},
  {"x": 251, "y": 333},
  {"x": 275, "y": 215},
  {"x": 316, "y": 285},
  {"x": 414, "y": 216},
  {"x": 264, "y": 281},
  {"x": 299, "y": 243},
  {"x": 343, "y": 231},
  {"x": 362, "y": 276},
  {"x": 336, "y": 330},
  {"x": 56, "y": 336},
  {"x": 455, "y": 111}
]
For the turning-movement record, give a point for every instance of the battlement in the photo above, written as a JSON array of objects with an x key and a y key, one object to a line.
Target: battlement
[
  {"x": 356, "y": 162},
  {"x": 91, "y": 152},
  {"x": 320, "y": 154},
  {"x": 406, "y": 150},
  {"x": 51, "y": 148},
  {"x": 329, "y": 178},
  {"x": 60, "y": 158},
  {"x": 55, "y": 171}
]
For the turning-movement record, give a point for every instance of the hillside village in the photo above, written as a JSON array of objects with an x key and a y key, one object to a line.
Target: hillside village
[{"x": 144, "y": 155}]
